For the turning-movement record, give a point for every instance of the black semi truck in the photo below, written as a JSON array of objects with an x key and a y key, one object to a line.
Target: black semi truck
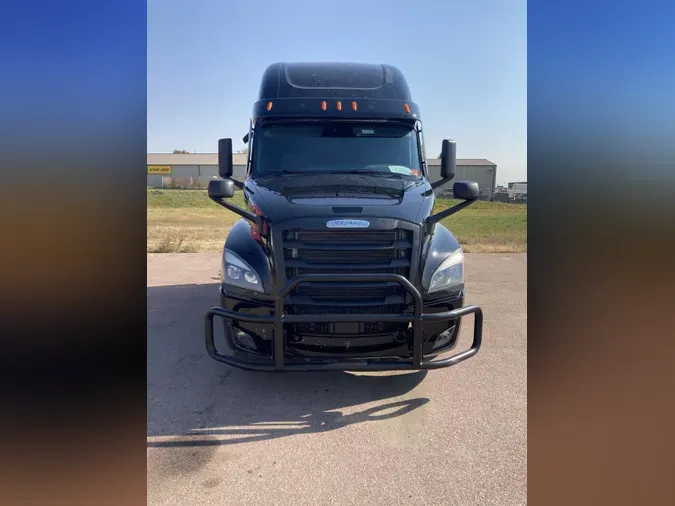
[{"x": 338, "y": 262}]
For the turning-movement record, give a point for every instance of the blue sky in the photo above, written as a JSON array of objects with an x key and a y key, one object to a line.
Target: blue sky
[{"x": 466, "y": 64}]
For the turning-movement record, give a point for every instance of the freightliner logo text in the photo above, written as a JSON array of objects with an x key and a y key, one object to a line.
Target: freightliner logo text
[{"x": 348, "y": 224}]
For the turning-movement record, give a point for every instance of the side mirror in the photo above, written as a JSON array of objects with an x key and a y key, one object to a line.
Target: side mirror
[
  {"x": 448, "y": 159},
  {"x": 462, "y": 190},
  {"x": 221, "y": 189},
  {"x": 465, "y": 190},
  {"x": 224, "y": 158}
]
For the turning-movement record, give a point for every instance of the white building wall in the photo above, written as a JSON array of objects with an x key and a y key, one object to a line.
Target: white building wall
[
  {"x": 484, "y": 175},
  {"x": 184, "y": 172}
]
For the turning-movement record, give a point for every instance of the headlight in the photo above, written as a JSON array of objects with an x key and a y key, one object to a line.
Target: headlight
[
  {"x": 450, "y": 274},
  {"x": 239, "y": 273}
]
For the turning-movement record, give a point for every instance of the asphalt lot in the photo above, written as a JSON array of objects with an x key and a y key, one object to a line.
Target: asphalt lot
[{"x": 219, "y": 435}]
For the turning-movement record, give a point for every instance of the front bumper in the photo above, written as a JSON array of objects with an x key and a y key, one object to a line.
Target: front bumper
[{"x": 280, "y": 361}]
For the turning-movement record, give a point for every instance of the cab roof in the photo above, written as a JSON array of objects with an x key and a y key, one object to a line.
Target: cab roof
[
  {"x": 377, "y": 90},
  {"x": 333, "y": 80}
]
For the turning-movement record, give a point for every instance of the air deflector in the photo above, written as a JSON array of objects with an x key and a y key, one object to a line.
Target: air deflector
[{"x": 325, "y": 75}]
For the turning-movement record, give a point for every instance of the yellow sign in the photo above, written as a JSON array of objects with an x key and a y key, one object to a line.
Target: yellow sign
[{"x": 159, "y": 169}]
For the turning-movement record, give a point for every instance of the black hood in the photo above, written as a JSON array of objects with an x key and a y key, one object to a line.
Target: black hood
[{"x": 341, "y": 196}]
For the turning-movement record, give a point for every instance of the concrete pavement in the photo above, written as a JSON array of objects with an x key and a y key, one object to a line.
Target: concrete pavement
[{"x": 218, "y": 435}]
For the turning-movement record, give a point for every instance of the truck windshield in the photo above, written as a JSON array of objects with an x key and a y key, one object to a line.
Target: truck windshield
[{"x": 338, "y": 147}]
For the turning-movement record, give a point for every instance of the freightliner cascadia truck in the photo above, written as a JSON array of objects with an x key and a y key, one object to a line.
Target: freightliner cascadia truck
[{"x": 338, "y": 262}]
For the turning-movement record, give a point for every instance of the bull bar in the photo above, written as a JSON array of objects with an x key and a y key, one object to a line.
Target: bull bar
[{"x": 279, "y": 318}]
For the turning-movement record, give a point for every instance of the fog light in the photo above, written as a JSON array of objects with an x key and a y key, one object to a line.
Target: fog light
[
  {"x": 444, "y": 338},
  {"x": 245, "y": 341}
]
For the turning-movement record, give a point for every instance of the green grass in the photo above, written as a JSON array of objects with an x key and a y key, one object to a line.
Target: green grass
[
  {"x": 489, "y": 227},
  {"x": 186, "y": 199},
  {"x": 188, "y": 221}
]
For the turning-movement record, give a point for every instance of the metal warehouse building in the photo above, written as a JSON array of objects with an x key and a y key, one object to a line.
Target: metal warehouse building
[{"x": 196, "y": 167}]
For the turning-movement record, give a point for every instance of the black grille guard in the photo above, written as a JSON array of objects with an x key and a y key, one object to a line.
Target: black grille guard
[{"x": 277, "y": 361}]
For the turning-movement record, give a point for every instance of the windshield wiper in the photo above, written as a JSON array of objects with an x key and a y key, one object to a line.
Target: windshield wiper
[
  {"x": 373, "y": 172},
  {"x": 284, "y": 172},
  {"x": 370, "y": 172},
  {"x": 362, "y": 171}
]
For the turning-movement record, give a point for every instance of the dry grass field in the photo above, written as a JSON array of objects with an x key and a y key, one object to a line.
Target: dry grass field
[{"x": 186, "y": 221}]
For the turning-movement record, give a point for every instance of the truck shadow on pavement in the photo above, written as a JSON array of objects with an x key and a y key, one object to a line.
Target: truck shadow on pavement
[{"x": 195, "y": 401}]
